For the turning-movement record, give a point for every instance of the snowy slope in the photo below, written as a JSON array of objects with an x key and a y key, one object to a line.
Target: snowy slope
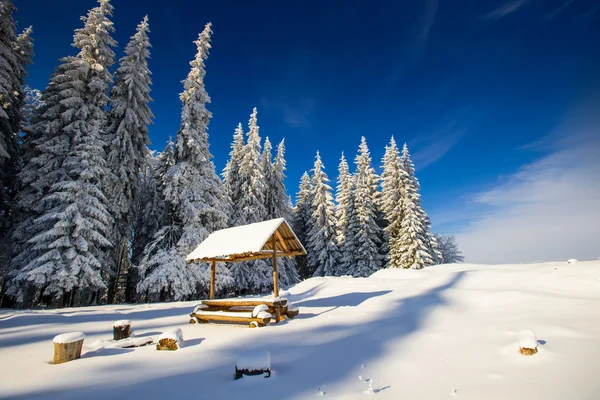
[{"x": 442, "y": 332}]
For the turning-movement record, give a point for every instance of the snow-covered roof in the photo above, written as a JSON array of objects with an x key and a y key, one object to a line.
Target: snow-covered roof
[{"x": 249, "y": 242}]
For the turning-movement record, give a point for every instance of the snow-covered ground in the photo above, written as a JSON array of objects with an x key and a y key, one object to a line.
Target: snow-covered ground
[{"x": 444, "y": 332}]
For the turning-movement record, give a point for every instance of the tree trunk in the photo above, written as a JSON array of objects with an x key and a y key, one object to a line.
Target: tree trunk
[{"x": 65, "y": 352}]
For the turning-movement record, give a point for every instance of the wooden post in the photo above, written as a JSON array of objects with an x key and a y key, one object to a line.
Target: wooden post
[
  {"x": 212, "y": 279},
  {"x": 275, "y": 280}
]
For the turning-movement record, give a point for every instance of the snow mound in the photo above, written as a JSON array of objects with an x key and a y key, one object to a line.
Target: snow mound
[
  {"x": 572, "y": 261},
  {"x": 175, "y": 334},
  {"x": 255, "y": 360},
  {"x": 398, "y": 273},
  {"x": 527, "y": 339},
  {"x": 258, "y": 309},
  {"x": 122, "y": 322},
  {"x": 263, "y": 315},
  {"x": 69, "y": 337}
]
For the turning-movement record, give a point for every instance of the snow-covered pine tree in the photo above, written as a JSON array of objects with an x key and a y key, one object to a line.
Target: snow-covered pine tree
[
  {"x": 15, "y": 55},
  {"x": 342, "y": 197},
  {"x": 391, "y": 206},
  {"x": 252, "y": 204},
  {"x": 368, "y": 233},
  {"x": 429, "y": 237},
  {"x": 231, "y": 177},
  {"x": 323, "y": 254},
  {"x": 449, "y": 249},
  {"x": 8, "y": 72},
  {"x": 195, "y": 196},
  {"x": 412, "y": 242},
  {"x": 349, "y": 248},
  {"x": 128, "y": 118},
  {"x": 69, "y": 247},
  {"x": 283, "y": 209},
  {"x": 266, "y": 167},
  {"x": 302, "y": 219}
]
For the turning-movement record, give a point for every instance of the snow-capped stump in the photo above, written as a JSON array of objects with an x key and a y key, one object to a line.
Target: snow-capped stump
[
  {"x": 170, "y": 340},
  {"x": 572, "y": 261},
  {"x": 527, "y": 342},
  {"x": 121, "y": 329},
  {"x": 254, "y": 362},
  {"x": 292, "y": 311},
  {"x": 67, "y": 347}
]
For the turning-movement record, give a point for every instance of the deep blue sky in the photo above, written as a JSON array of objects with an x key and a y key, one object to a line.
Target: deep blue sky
[{"x": 467, "y": 84}]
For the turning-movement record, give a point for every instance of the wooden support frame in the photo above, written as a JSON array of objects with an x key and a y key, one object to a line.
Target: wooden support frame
[
  {"x": 213, "y": 270},
  {"x": 230, "y": 245},
  {"x": 275, "y": 277}
]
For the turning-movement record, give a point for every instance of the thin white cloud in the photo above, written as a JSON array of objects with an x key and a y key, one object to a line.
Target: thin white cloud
[
  {"x": 413, "y": 52},
  {"x": 438, "y": 144},
  {"x": 296, "y": 113},
  {"x": 548, "y": 210},
  {"x": 557, "y": 11},
  {"x": 505, "y": 9}
]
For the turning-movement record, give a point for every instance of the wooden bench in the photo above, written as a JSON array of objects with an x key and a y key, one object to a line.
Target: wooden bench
[{"x": 240, "y": 311}]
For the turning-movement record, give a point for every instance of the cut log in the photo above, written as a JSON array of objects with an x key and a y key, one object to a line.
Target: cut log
[
  {"x": 238, "y": 317},
  {"x": 527, "y": 352},
  {"x": 67, "y": 347},
  {"x": 121, "y": 329},
  {"x": 244, "y": 302},
  {"x": 292, "y": 313},
  {"x": 170, "y": 340},
  {"x": 527, "y": 342}
]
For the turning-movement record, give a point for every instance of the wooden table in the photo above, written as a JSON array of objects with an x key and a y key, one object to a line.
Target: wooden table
[{"x": 240, "y": 311}]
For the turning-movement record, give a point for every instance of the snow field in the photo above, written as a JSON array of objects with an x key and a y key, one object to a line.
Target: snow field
[{"x": 442, "y": 332}]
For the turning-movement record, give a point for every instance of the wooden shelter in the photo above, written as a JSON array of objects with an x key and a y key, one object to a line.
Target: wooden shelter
[{"x": 268, "y": 239}]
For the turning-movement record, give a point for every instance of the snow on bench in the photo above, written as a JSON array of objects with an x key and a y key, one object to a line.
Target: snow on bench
[
  {"x": 254, "y": 362},
  {"x": 226, "y": 308}
]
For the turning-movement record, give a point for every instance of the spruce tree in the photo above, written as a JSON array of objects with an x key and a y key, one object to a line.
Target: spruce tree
[
  {"x": 231, "y": 177},
  {"x": 70, "y": 245},
  {"x": 342, "y": 198},
  {"x": 129, "y": 117},
  {"x": 252, "y": 205},
  {"x": 127, "y": 133},
  {"x": 194, "y": 194},
  {"x": 15, "y": 55},
  {"x": 368, "y": 234},
  {"x": 302, "y": 221},
  {"x": 391, "y": 206},
  {"x": 434, "y": 255},
  {"x": 323, "y": 254},
  {"x": 349, "y": 249},
  {"x": 283, "y": 209}
]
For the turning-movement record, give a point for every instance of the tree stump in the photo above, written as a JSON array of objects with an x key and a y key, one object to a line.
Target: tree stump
[
  {"x": 528, "y": 342},
  {"x": 67, "y": 347},
  {"x": 121, "y": 329},
  {"x": 170, "y": 340},
  {"x": 254, "y": 362}
]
